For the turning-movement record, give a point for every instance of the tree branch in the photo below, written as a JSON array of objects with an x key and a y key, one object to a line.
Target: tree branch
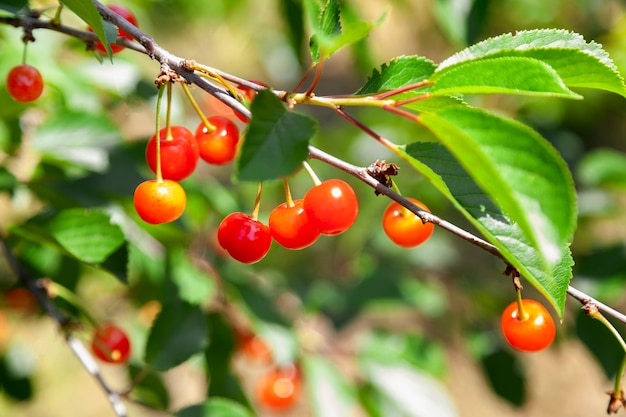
[
  {"x": 148, "y": 46},
  {"x": 83, "y": 355}
]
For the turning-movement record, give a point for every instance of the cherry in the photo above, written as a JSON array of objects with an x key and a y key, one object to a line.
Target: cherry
[
  {"x": 126, "y": 14},
  {"x": 279, "y": 388},
  {"x": 218, "y": 146},
  {"x": 179, "y": 153},
  {"x": 244, "y": 238},
  {"x": 291, "y": 227},
  {"x": 249, "y": 95},
  {"x": 405, "y": 228},
  {"x": 159, "y": 201},
  {"x": 254, "y": 348},
  {"x": 21, "y": 301},
  {"x": 24, "y": 83},
  {"x": 531, "y": 333},
  {"x": 110, "y": 344},
  {"x": 332, "y": 206}
]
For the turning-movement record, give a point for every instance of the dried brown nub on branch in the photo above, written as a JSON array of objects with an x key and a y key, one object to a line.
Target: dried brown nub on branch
[{"x": 382, "y": 171}]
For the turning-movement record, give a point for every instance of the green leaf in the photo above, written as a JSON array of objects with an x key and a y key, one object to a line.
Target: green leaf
[
  {"x": 506, "y": 375},
  {"x": 331, "y": 395},
  {"x": 578, "y": 63},
  {"x": 179, "y": 331},
  {"x": 87, "y": 234},
  {"x": 277, "y": 140},
  {"x": 401, "y": 71},
  {"x": 410, "y": 393},
  {"x": 517, "y": 168},
  {"x": 601, "y": 344},
  {"x": 215, "y": 407},
  {"x": 13, "y": 6},
  {"x": 194, "y": 286},
  {"x": 503, "y": 75},
  {"x": 150, "y": 389},
  {"x": 8, "y": 182},
  {"x": 293, "y": 15},
  {"x": 86, "y": 10},
  {"x": 441, "y": 168},
  {"x": 332, "y": 30},
  {"x": 415, "y": 349},
  {"x": 603, "y": 167},
  {"x": 80, "y": 140},
  {"x": 83, "y": 234},
  {"x": 220, "y": 378}
]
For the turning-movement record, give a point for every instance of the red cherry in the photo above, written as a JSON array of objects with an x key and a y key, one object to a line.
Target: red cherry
[
  {"x": 291, "y": 227},
  {"x": 254, "y": 348},
  {"x": 179, "y": 153},
  {"x": 405, "y": 228},
  {"x": 218, "y": 146},
  {"x": 279, "y": 389},
  {"x": 332, "y": 206},
  {"x": 126, "y": 14},
  {"x": 244, "y": 238},
  {"x": 532, "y": 333},
  {"x": 24, "y": 83},
  {"x": 21, "y": 301},
  {"x": 159, "y": 201},
  {"x": 110, "y": 344}
]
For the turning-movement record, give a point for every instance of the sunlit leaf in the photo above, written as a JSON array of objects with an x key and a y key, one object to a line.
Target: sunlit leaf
[
  {"x": 86, "y": 10},
  {"x": 410, "y": 392},
  {"x": 505, "y": 75},
  {"x": 331, "y": 394},
  {"x": 215, "y": 407},
  {"x": 332, "y": 30},
  {"x": 78, "y": 140},
  {"x": 441, "y": 168},
  {"x": 399, "y": 72},
  {"x": 578, "y": 63},
  {"x": 89, "y": 235},
  {"x": 603, "y": 167}
]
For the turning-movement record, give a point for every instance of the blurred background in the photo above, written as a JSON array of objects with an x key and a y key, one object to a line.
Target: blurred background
[{"x": 432, "y": 313}]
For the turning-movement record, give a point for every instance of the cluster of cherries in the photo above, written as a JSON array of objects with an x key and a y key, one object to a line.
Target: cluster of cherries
[
  {"x": 25, "y": 83},
  {"x": 163, "y": 199},
  {"x": 328, "y": 208},
  {"x": 280, "y": 386}
]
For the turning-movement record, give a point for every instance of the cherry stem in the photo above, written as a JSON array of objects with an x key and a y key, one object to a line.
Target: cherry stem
[
  {"x": 312, "y": 174},
  {"x": 391, "y": 93},
  {"x": 387, "y": 143},
  {"x": 303, "y": 79},
  {"x": 316, "y": 77},
  {"x": 24, "y": 53},
  {"x": 592, "y": 310},
  {"x": 522, "y": 314},
  {"x": 57, "y": 14},
  {"x": 197, "y": 108},
  {"x": 288, "y": 197},
  {"x": 159, "y": 173},
  {"x": 257, "y": 202},
  {"x": 168, "y": 114}
]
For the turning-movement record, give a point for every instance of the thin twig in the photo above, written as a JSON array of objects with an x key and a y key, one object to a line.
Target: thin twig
[{"x": 83, "y": 355}]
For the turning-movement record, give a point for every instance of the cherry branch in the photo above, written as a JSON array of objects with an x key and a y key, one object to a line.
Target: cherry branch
[
  {"x": 77, "y": 347},
  {"x": 363, "y": 174},
  {"x": 184, "y": 68}
]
